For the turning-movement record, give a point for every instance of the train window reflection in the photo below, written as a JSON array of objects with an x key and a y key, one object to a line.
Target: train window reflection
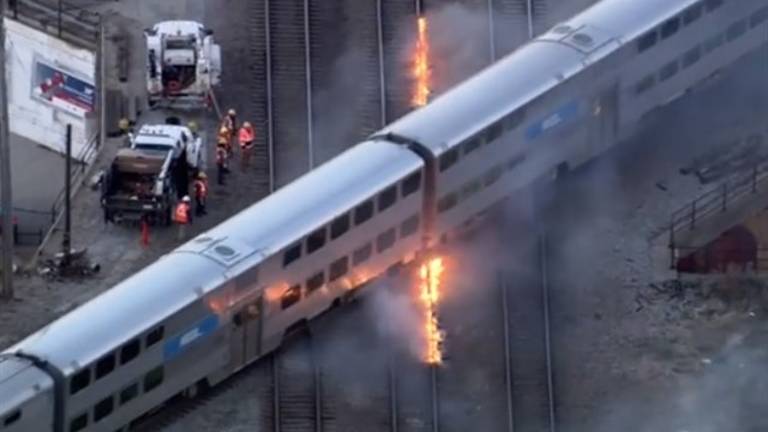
[{"x": 291, "y": 297}]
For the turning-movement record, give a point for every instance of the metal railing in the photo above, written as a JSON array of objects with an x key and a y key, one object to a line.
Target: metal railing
[
  {"x": 722, "y": 260},
  {"x": 717, "y": 201},
  {"x": 60, "y": 19}
]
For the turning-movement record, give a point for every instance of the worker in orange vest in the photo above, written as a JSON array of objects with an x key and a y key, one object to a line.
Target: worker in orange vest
[
  {"x": 225, "y": 138},
  {"x": 230, "y": 122},
  {"x": 201, "y": 194},
  {"x": 183, "y": 216},
  {"x": 246, "y": 136}
]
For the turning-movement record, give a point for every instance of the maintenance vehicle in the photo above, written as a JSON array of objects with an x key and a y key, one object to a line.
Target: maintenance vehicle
[{"x": 183, "y": 65}]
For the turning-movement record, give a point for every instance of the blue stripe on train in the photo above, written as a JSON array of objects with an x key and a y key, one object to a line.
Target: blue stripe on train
[{"x": 181, "y": 342}]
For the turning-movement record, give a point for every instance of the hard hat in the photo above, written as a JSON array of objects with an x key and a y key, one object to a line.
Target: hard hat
[
  {"x": 192, "y": 126},
  {"x": 231, "y": 112},
  {"x": 202, "y": 175},
  {"x": 123, "y": 124},
  {"x": 186, "y": 199},
  {"x": 223, "y": 130},
  {"x": 247, "y": 124}
]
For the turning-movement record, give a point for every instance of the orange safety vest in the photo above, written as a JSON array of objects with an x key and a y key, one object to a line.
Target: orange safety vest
[
  {"x": 201, "y": 189},
  {"x": 246, "y": 136},
  {"x": 182, "y": 213}
]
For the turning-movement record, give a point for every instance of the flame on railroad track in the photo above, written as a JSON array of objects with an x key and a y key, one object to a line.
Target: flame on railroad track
[
  {"x": 421, "y": 70},
  {"x": 429, "y": 287}
]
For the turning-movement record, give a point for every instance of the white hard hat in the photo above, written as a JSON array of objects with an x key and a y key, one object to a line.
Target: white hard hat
[{"x": 186, "y": 199}]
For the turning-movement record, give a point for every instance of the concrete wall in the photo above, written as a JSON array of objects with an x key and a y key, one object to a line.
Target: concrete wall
[{"x": 50, "y": 85}]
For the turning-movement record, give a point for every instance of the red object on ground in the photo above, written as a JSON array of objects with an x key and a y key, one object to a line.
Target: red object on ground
[{"x": 144, "y": 233}]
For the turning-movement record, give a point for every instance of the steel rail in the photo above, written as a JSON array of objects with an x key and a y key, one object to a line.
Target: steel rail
[
  {"x": 308, "y": 65},
  {"x": 270, "y": 116},
  {"x": 507, "y": 354},
  {"x": 547, "y": 335}
]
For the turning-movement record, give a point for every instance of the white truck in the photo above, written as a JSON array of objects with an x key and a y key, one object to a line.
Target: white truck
[
  {"x": 148, "y": 178},
  {"x": 183, "y": 65},
  {"x": 171, "y": 137}
]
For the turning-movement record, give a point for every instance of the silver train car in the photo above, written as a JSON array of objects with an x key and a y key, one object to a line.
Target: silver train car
[{"x": 229, "y": 296}]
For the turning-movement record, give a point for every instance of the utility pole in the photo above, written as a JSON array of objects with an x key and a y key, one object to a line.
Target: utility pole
[
  {"x": 67, "y": 241},
  {"x": 5, "y": 172}
]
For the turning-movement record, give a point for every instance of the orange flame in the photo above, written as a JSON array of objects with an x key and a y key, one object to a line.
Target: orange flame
[
  {"x": 429, "y": 276},
  {"x": 421, "y": 71}
]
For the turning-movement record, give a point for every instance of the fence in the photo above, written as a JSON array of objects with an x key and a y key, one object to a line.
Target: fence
[
  {"x": 58, "y": 18},
  {"x": 717, "y": 200}
]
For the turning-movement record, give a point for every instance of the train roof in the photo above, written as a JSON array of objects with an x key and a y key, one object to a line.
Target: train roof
[
  {"x": 132, "y": 307},
  {"x": 21, "y": 382},
  {"x": 310, "y": 201},
  {"x": 531, "y": 71}
]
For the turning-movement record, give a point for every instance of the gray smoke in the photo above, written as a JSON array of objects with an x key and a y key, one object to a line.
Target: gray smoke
[{"x": 397, "y": 317}]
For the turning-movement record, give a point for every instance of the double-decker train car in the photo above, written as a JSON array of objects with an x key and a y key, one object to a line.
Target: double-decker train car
[{"x": 228, "y": 297}]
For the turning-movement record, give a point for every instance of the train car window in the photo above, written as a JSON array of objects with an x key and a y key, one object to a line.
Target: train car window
[
  {"x": 668, "y": 71},
  {"x": 105, "y": 365},
  {"x": 736, "y": 29},
  {"x": 129, "y": 351},
  {"x": 670, "y": 27},
  {"x": 514, "y": 120},
  {"x": 759, "y": 17},
  {"x": 362, "y": 254},
  {"x": 338, "y": 268},
  {"x": 409, "y": 226},
  {"x": 80, "y": 381},
  {"x": 647, "y": 41},
  {"x": 493, "y": 175},
  {"x": 155, "y": 336},
  {"x": 449, "y": 159},
  {"x": 291, "y": 296},
  {"x": 103, "y": 409},
  {"x": 315, "y": 282},
  {"x": 516, "y": 160},
  {"x": 292, "y": 254},
  {"x": 447, "y": 202},
  {"x": 471, "y": 145},
  {"x": 713, "y": 4},
  {"x": 387, "y": 198},
  {"x": 411, "y": 184},
  {"x": 385, "y": 240},
  {"x": 692, "y": 56},
  {"x": 12, "y": 418},
  {"x": 645, "y": 84},
  {"x": 316, "y": 240},
  {"x": 494, "y": 132},
  {"x": 129, "y": 393},
  {"x": 470, "y": 188},
  {"x": 363, "y": 212},
  {"x": 692, "y": 14},
  {"x": 79, "y": 423},
  {"x": 714, "y": 43},
  {"x": 153, "y": 379},
  {"x": 339, "y": 226}
]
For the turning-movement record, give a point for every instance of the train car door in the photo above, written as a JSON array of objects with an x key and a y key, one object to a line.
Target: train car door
[
  {"x": 605, "y": 119},
  {"x": 246, "y": 337}
]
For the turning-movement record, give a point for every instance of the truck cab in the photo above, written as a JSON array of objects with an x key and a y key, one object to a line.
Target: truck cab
[{"x": 173, "y": 138}]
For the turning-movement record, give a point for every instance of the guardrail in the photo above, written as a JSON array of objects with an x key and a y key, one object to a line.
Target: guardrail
[
  {"x": 721, "y": 260},
  {"x": 717, "y": 201},
  {"x": 58, "y": 18}
]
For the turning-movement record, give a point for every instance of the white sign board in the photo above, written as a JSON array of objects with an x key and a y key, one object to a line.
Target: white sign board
[{"x": 50, "y": 85}]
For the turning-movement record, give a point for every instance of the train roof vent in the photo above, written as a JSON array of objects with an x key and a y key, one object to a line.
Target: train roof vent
[
  {"x": 224, "y": 250},
  {"x": 587, "y": 39},
  {"x": 562, "y": 29},
  {"x": 582, "y": 39}
]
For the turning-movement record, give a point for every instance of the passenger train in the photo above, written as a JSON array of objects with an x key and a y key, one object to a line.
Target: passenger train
[{"x": 227, "y": 297}]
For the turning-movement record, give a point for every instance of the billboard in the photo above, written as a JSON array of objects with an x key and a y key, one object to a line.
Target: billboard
[
  {"x": 50, "y": 86},
  {"x": 62, "y": 89}
]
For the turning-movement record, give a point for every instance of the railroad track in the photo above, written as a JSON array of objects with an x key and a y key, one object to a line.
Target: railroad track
[
  {"x": 297, "y": 389},
  {"x": 527, "y": 345}
]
